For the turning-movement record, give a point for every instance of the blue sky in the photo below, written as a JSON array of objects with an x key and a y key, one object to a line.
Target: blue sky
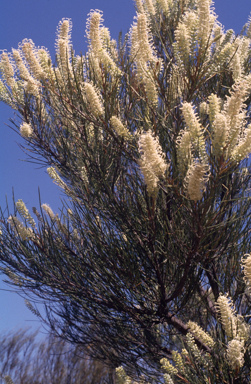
[{"x": 37, "y": 20}]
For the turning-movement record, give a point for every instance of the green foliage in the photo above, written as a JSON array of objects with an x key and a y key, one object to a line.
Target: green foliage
[{"x": 149, "y": 142}]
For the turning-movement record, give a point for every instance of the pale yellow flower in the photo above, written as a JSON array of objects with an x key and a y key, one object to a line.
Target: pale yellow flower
[
  {"x": 246, "y": 264},
  {"x": 235, "y": 353},
  {"x": 23, "y": 211},
  {"x": 20, "y": 229},
  {"x": 152, "y": 161},
  {"x": 119, "y": 127},
  {"x": 48, "y": 211},
  {"x": 7, "y": 69},
  {"x": 26, "y": 130},
  {"x": 94, "y": 100},
  {"x": 196, "y": 179},
  {"x": 63, "y": 46},
  {"x": 200, "y": 334},
  {"x": 227, "y": 314}
]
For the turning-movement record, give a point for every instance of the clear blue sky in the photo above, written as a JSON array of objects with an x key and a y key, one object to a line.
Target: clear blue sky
[{"x": 37, "y": 20}]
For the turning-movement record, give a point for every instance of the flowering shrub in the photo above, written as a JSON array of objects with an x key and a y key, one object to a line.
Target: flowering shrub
[{"x": 149, "y": 140}]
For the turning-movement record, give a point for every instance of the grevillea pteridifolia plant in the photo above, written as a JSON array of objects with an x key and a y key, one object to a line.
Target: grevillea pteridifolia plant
[{"x": 148, "y": 139}]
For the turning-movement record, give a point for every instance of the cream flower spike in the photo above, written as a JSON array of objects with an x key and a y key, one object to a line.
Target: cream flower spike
[
  {"x": 238, "y": 94},
  {"x": 191, "y": 120},
  {"x": 23, "y": 71},
  {"x": 145, "y": 52},
  {"x": 184, "y": 153},
  {"x": 47, "y": 209},
  {"x": 119, "y": 127},
  {"x": 20, "y": 229},
  {"x": 45, "y": 61},
  {"x": 7, "y": 69},
  {"x": 204, "y": 21},
  {"x": 31, "y": 84},
  {"x": 168, "y": 367},
  {"x": 93, "y": 62},
  {"x": 93, "y": 98},
  {"x": 150, "y": 7},
  {"x": 236, "y": 66},
  {"x": 182, "y": 45},
  {"x": 152, "y": 161},
  {"x": 227, "y": 315},
  {"x": 241, "y": 48},
  {"x": 94, "y": 23},
  {"x": 145, "y": 58},
  {"x": 151, "y": 91},
  {"x": 23, "y": 211},
  {"x": 243, "y": 149},
  {"x": 214, "y": 107},
  {"x": 165, "y": 6},
  {"x": 220, "y": 129},
  {"x": 139, "y": 6},
  {"x": 96, "y": 35},
  {"x": 134, "y": 41},
  {"x": 63, "y": 45},
  {"x": 196, "y": 179},
  {"x": 56, "y": 178},
  {"x": 246, "y": 264},
  {"x": 218, "y": 34},
  {"x": 234, "y": 109},
  {"x": 235, "y": 353},
  {"x": 249, "y": 27},
  {"x": 30, "y": 54},
  {"x": 202, "y": 335},
  {"x": 196, "y": 131},
  {"x": 141, "y": 43}
]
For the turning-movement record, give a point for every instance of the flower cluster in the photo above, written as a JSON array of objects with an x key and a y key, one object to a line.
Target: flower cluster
[
  {"x": 202, "y": 335},
  {"x": 152, "y": 161},
  {"x": 23, "y": 211},
  {"x": 63, "y": 46},
  {"x": 98, "y": 38},
  {"x": 48, "y": 211},
  {"x": 195, "y": 129},
  {"x": 30, "y": 84},
  {"x": 227, "y": 315},
  {"x": 119, "y": 127},
  {"x": 184, "y": 154},
  {"x": 220, "y": 128},
  {"x": 204, "y": 21},
  {"x": 142, "y": 53},
  {"x": 191, "y": 154},
  {"x": 246, "y": 264},
  {"x": 230, "y": 135},
  {"x": 31, "y": 56},
  {"x": 20, "y": 229},
  {"x": 55, "y": 177},
  {"x": 235, "y": 353},
  {"x": 7, "y": 69},
  {"x": 168, "y": 367},
  {"x": 196, "y": 179},
  {"x": 93, "y": 100},
  {"x": 122, "y": 378},
  {"x": 26, "y": 130}
]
